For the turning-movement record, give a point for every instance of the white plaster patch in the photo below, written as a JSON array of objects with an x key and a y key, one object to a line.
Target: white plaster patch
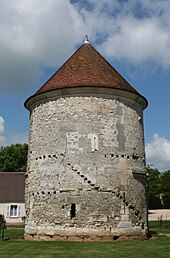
[
  {"x": 72, "y": 140},
  {"x": 94, "y": 141}
]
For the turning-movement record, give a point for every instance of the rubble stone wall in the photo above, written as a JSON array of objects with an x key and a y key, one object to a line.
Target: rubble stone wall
[{"x": 86, "y": 170}]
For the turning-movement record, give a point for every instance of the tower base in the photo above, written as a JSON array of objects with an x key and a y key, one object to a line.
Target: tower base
[{"x": 98, "y": 236}]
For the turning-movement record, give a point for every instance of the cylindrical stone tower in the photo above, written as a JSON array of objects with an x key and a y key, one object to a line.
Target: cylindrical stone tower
[{"x": 86, "y": 178}]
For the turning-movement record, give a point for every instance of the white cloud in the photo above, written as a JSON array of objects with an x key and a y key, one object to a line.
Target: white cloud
[
  {"x": 16, "y": 138},
  {"x": 12, "y": 138},
  {"x": 33, "y": 34},
  {"x": 2, "y": 131},
  {"x": 41, "y": 33},
  {"x": 158, "y": 152},
  {"x": 139, "y": 41},
  {"x": 135, "y": 31}
]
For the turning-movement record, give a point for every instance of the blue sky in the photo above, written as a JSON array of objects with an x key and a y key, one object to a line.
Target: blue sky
[{"x": 36, "y": 37}]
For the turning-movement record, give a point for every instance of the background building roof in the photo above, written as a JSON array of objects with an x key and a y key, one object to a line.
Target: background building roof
[{"x": 12, "y": 187}]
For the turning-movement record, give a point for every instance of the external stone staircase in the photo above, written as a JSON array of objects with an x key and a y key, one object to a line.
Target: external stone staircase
[
  {"x": 118, "y": 193},
  {"x": 85, "y": 178}
]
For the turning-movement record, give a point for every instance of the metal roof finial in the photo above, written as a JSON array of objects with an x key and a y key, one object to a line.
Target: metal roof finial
[{"x": 86, "y": 40}]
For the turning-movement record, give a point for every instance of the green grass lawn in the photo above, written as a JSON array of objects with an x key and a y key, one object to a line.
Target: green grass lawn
[{"x": 157, "y": 246}]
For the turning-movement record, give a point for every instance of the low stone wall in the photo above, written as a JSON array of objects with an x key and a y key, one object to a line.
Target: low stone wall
[{"x": 159, "y": 214}]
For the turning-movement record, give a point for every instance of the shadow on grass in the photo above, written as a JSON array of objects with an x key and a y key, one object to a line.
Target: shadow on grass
[{"x": 152, "y": 234}]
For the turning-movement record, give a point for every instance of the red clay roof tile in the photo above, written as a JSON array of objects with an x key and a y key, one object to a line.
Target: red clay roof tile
[{"x": 86, "y": 67}]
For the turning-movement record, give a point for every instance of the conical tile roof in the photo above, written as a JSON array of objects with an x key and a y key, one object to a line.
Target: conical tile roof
[{"x": 86, "y": 68}]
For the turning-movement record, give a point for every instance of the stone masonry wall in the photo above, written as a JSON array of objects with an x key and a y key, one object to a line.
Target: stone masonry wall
[{"x": 86, "y": 170}]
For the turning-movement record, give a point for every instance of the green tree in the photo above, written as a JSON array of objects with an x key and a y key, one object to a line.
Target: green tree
[
  {"x": 13, "y": 158},
  {"x": 153, "y": 187},
  {"x": 165, "y": 188}
]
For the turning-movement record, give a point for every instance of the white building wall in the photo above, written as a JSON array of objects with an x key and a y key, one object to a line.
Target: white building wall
[{"x": 5, "y": 210}]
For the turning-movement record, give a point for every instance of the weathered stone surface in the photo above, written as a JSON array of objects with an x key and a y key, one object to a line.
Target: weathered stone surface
[
  {"x": 91, "y": 237},
  {"x": 86, "y": 170}
]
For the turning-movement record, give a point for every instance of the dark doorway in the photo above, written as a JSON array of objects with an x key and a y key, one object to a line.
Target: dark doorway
[{"x": 73, "y": 210}]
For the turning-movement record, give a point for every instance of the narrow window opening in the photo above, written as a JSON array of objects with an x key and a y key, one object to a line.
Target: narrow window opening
[{"x": 73, "y": 210}]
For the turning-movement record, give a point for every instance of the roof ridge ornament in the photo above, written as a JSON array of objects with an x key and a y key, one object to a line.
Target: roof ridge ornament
[{"x": 86, "y": 40}]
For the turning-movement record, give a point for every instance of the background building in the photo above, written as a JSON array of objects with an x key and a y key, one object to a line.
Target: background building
[{"x": 12, "y": 196}]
